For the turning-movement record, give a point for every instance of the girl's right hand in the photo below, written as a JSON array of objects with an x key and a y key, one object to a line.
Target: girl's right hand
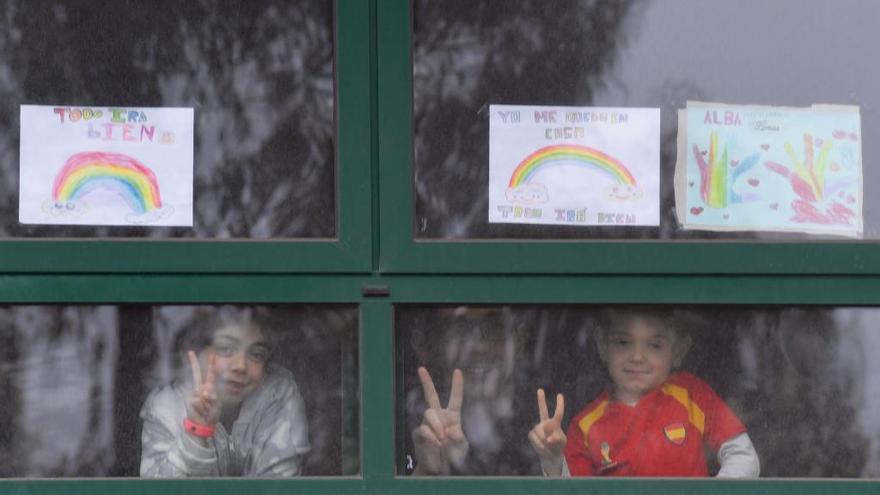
[
  {"x": 202, "y": 406},
  {"x": 547, "y": 437}
]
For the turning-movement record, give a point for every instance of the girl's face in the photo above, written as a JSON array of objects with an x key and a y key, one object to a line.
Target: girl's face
[{"x": 241, "y": 353}]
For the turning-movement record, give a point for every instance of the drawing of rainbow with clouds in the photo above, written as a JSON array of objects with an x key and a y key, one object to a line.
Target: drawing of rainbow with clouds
[
  {"x": 523, "y": 190},
  {"x": 91, "y": 171},
  {"x": 718, "y": 175}
]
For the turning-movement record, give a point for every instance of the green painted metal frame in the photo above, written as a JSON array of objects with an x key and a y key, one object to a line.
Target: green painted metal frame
[
  {"x": 439, "y": 289},
  {"x": 376, "y": 249},
  {"x": 378, "y": 372},
  {"x": 348, "y": 252},
  {"x": 402, "y": 253}
]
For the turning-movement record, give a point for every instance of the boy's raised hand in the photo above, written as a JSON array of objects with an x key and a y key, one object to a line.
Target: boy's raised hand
[
  {"x": 202, "y": 406},
  {"x": 547, "y": 437},
  {"x": 439, "y": 441}
]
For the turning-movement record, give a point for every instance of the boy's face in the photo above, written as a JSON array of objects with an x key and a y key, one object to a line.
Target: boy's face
[
  {"x": 640, "y": 357},
  {"x": 241, "y": 354}
]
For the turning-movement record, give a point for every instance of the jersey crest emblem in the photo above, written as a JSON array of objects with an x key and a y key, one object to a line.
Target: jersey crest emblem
[{"x": 675, "y": 433}]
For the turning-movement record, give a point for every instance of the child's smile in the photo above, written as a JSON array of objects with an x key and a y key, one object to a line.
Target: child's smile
[
  {"x": 241, "y": 354},
  {"x": 640, "y": 358}
]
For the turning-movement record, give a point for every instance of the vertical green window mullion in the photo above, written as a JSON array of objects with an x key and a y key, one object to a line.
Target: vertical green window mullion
[
  {"x": 377, "y": 391},
  {"x": 395, "y": 132},
  {"x": 354, "y": 126}
]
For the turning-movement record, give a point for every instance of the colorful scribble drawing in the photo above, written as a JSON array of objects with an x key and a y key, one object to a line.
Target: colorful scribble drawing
[
  {"x": 87, "y": 172},
  {"x": 809, "y": 181},
  {"x": 521, "y": 188},
  {"x": 718, "y": 175}
]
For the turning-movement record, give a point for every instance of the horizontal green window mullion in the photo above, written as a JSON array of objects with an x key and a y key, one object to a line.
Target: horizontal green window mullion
[
  {"x": 182, "y": 288},
  {"x": 377, "y": 399},
  {"x": 637, "y": 289},
  {"x": 634, "y": 257},
  {"x": 189, "y": 487},
  {"x": 530, "y": 486},
  {"x": 425, "y": 486},
  {"x": 115, "y": 256},
  {"x": 439, "y": 289}
]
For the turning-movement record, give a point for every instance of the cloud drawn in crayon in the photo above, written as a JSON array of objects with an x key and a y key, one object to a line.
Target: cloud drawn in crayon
[
  {"x": 623, "y": 192},
  {"x": 528, "y": 193},
  {"x": 71, "y": 209},
  {"x": 151, "y": 216}
]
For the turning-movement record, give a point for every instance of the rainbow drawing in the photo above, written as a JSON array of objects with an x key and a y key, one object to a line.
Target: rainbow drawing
[
  {"x": 808, "y": 182},
  {"x": 717, "y": 175},
  {"x": 87, "y": 171},
  {"x": 570, "y": 153},
  {"x": 808, "y": 177}
]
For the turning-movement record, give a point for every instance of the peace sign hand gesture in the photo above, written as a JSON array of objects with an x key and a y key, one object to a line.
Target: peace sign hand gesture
[
  {"x": 203, "y": 406},
  {"x": 547, "y": 437},
  {"x": 439, "y": 440}
]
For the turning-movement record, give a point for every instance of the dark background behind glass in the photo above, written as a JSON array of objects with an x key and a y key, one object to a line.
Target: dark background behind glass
[
  {"x": 258, "y": 73},
  {"x": 468, "y": 54},
  {"x": 73, "y": 380},
  {"x": 802, "y": 380}
]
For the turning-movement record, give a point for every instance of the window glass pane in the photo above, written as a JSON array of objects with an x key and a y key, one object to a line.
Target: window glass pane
[
  {"x": 104, "y": 390},
  {"x": 258, "y": 74},
  {"x": 659, "y": 391},
  {"x": 633, "y": 53}
]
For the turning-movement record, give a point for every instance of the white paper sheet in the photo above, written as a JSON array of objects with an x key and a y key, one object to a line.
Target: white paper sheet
[
  {"x": 574, "y": 165},
  {"x": 106, "y": 166},
  {"x": 763, "y": 168}
]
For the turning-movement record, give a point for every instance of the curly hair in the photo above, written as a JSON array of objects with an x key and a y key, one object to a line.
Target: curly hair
[{"x": 198, "y": 333}]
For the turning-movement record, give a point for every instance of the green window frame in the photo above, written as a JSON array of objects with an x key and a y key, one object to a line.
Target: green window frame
[
  {"x": 378, "y": 371},
  {"x": 402, "y": 253},
  {"x": 376, "y": 264},
  {"x": 347, "y": 252}
]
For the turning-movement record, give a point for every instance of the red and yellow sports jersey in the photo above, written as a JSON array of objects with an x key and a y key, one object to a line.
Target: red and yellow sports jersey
[{"x": 662, "y": 435}]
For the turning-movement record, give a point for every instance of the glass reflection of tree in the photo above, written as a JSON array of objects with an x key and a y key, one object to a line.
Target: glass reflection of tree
[
  {"x": 468, "y": 55},
  {"x": 58, "y": 390},
  {"x": 259, "y": 75},
  {"x": 807, "y": 416},
  {"x": 799, "y": 378},
  {"x": 73, "y": 380}
]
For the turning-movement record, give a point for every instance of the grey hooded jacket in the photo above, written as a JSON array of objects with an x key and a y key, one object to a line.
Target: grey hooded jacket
[{"x": 269, "y": 438}]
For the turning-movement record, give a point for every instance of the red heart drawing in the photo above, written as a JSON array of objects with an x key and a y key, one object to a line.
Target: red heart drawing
[
  {"x": 696, "y": 210},
  {"x": 734, "y": 163},
  {"x": 754, "y": 182},
  {"x": 765, "y": 146},
  {"x": 774, "y": 206}
]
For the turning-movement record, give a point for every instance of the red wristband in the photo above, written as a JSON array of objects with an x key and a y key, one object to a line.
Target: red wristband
[{"x": 198, "y": 429}]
